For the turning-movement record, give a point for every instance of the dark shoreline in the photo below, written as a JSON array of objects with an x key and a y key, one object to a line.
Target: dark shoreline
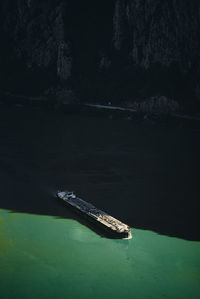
[{"x": 96, "y": 109}]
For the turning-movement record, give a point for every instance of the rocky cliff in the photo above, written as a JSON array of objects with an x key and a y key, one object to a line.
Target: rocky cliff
[{"x": 116, "y": 50}]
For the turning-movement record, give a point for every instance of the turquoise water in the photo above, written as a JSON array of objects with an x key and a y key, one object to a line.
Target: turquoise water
[{"x": 51, "y": 257}]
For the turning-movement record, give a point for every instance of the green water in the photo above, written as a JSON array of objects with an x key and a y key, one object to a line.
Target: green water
[{"x": 51, "y": 257}]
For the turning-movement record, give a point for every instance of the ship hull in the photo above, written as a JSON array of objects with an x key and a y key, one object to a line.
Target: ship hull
[{"x": 115, "y": 234}]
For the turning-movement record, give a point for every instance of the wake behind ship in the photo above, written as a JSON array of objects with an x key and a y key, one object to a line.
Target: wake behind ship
[{"x": 102, "y": 219}]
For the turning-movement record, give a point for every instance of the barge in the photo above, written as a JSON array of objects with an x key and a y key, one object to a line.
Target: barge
[{"x": 100, "y": 218}]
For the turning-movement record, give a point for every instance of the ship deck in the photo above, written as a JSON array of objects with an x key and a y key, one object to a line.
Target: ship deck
[{"x": 99, "y": 215}]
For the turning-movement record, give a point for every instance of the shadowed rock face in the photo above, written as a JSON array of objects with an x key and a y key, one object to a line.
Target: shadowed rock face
[
  {"x": 34, "y": 38},
  {"x": 157, "y": 31},
  {"x": 117, "y": 49}
]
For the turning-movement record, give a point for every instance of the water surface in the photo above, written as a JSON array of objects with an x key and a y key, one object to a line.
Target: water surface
[
  {"x": 47, "y": 257},
  {"x": 145, "y": 174}
]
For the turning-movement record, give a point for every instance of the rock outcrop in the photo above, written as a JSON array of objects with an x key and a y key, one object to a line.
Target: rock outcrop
[
  {"x": 157, "y": 104},
  {"x": 36, "y": 44},
  {"x": 163, "y": 32},
  {"x": 102, "y": 49}
]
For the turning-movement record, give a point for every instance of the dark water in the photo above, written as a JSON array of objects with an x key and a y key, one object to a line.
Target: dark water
[{"x": 146, "y": 175}]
